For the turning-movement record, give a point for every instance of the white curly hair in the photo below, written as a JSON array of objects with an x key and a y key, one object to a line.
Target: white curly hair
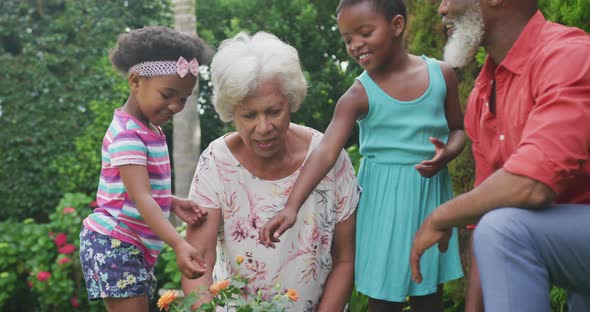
[{"x": 244, "y": 62}]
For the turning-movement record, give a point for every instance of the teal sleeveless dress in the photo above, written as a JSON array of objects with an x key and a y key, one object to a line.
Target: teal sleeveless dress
[{"x": 396, "y": 199}]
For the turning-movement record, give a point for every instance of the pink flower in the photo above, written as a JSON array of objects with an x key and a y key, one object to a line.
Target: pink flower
[
  {"x": 93, "y": 204},
  {"x": 63, "y": 260},
  {"x": 43, "y": 276},
  {"x": 66, "y": 249},
  {"x": 30, "y": 284},
  {"x": 69, "y": 210},
  {"x": 240, "y": 230},
  {"x": 74, "y": 302},
  {"x": 60, "y": 239},
  {"x": 255, "y": 221}
]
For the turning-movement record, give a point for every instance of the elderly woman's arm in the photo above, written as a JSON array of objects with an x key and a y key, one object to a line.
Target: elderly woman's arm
[
  {"x": 341, "y": 280},
  {"x": 203, "y": 237}
]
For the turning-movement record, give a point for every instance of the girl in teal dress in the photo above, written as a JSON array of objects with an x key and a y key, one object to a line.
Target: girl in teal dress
[{"x": 411, "y": 126}]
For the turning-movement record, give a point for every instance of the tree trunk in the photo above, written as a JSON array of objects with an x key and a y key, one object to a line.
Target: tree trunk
[{"x": 186, "y": 137}]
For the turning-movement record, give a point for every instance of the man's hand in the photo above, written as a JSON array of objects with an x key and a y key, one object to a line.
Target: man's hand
[
  {"x": 425, "y": 238},
  {"x": 276, "y": 226},
  {"x": 428, "y": 168},
  {"x": 188, "y": 211},
  {"x": 189, "y": 260}
]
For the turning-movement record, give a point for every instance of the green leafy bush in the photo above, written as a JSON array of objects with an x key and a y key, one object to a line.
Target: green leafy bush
[
  {"x": 39, "y": 263},
  {"x": 568, "y": 12}
]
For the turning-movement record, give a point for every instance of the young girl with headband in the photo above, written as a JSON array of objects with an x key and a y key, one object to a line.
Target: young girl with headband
[{"x": 121, "y": 240}]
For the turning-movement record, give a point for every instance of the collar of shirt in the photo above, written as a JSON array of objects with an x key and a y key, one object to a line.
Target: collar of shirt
[{"x": 516, "y": 59}]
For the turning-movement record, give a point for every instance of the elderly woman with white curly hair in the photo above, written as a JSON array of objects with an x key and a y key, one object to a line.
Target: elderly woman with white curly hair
[{"x": 244, "y": 178}]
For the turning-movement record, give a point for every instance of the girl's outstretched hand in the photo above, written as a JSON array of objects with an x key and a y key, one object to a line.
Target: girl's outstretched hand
[
  {"x": 276, "y": 226},
  {"x": 188, "y": 211},
  {"x": 425, "y": 238},
  {"x": 428, "y": 168}
]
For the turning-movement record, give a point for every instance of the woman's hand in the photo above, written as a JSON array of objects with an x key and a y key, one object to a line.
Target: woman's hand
[
  {"x": 276, "y": 226},
  {"x": 428, "y": 168},
  {"x": 188, "y": 211}
]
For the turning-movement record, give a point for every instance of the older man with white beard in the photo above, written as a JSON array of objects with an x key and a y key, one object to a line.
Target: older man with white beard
[{"x": 528, "y": 117}]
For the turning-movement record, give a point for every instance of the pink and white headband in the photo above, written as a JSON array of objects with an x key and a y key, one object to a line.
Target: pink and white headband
[{"x": 161, "y": 68}]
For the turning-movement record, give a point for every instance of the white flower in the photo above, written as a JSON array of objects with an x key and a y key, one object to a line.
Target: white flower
[
  {"x": 88, "y": 254},
  {"x": 99, "y": 258}
]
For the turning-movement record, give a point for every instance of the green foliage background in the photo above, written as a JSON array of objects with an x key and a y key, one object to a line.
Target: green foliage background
[{"x": 58, "y": 90}]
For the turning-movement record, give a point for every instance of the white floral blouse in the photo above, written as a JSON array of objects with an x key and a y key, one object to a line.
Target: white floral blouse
[{"x": 302, "y": 260}]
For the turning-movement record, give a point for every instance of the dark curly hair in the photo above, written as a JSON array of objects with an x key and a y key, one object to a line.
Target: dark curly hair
[
  {"x": 389, "y": 8},
  {"x": 157, "y": 43}
]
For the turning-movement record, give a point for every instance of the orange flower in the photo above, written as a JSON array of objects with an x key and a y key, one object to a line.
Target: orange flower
[
  {"x": 239, "y": 259},
  {"x": 166, "y": 299},
  {"x": 218, "y": 286},
  {"x": 214, "y": 289},
  {"x": 292, "y": 294}
]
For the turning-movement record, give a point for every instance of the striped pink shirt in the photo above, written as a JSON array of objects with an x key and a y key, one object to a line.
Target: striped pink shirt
[{"x": 129, "y": 142}]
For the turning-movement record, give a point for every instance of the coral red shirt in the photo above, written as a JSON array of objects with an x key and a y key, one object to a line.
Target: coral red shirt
[{"x": 541, "y": 126}]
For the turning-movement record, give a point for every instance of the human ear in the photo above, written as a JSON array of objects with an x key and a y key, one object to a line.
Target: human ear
[
  {"x": 399, "y": 25},
  {"x": 133, "y": 81}
]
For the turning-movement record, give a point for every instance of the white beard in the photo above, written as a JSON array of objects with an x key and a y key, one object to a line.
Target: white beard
[{"x": 467, "y": 36}]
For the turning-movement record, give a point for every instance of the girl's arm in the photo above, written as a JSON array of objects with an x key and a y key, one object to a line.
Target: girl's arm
[
  {"x": 454, "y": 114},
  {"x": 203, "y": 237},
  {"x": 444, "y": 153},
  {"x": 341, "y": 279},
  {"x": 353, "y": 105},
  {"x": 137, "y": 183}
]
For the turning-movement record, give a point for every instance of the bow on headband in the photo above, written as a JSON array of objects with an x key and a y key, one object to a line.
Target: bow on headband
[{"x": 183, "y": 67}]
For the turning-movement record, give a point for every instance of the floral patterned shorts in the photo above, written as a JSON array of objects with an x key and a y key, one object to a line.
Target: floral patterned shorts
[{"x": 114, "y": 269}]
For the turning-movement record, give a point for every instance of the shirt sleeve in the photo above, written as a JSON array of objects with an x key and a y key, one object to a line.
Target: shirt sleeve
[
  {"x": 204, "y": 189},
  {"x": 347, "y": 188},
  {"x": 555, "y": 142},
  {"x": 127, "y": 148},
  {"x": 482, "y": 168}
]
